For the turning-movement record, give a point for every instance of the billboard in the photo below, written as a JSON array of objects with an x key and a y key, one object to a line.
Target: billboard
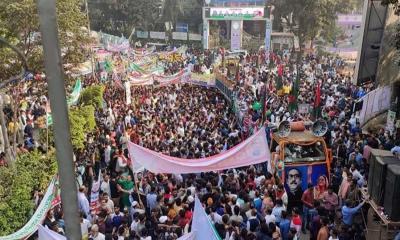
[
  {"x": 179, "y": 36},
  {"x": 374, "y": 103},
  {"x": 241, "y": 13},
  {"x": 158, "y": 35},
  {"x": 142, "y": 34},
  {"x": 237, "y": 2}
]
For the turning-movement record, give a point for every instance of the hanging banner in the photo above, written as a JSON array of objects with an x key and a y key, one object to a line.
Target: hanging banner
[
  {"x": 157, "y": 35},
  {"x": 76, "y": 92},
  {"x": 128, "y": 92},
  {"x": 254, "y": 150},
  {"x": 206, "y": 32},
  {"x": 72, "y": 100},
  {"x": 236, "y": 35},
  {"x": 94, "y": 195},
  {"x": 40, "y": 214},
  {"x": 268, "y": 31},
  {"x": 194, "y": 37},
  {"x": 47, "y": 234},
  {"x": 179, "y": 36},
  {"x": 390, "y": 121}
]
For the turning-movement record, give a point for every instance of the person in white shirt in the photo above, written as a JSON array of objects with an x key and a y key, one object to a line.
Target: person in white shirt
[
  {"x": 105, "y": 185},
  {"x": 95, "y": 234},
  {"x": 107, "y": 153},
  {"x": 83, "y": 201},
  {"x": 269, "y": 218},
  {"x": 85, "y": 226},
  {"x": 121, "y": 162},
  {"x": 108, "y": 203}
]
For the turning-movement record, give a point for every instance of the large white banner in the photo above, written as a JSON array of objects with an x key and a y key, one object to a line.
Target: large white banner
[
  {"x": 47, "y": 234},
  {"x": 180, "y": 36},
  {"x": 268, "y": 31},
  {"x": 374, "y": 103},
  {"x": 195, "y": 37},
  {"x": 157, "y": 35},
  {"x": 254, "y": 150}
]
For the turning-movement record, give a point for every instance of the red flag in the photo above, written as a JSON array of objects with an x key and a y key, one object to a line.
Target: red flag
[
  {"x": 317, "y": 95},
  {"x": 280, "y": 70}
]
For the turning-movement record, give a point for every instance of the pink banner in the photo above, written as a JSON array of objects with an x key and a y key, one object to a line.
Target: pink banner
[{"x": 252, "y": 151}]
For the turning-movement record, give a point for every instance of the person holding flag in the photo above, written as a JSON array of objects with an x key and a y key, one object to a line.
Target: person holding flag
[{"x": 317, "y": 101}]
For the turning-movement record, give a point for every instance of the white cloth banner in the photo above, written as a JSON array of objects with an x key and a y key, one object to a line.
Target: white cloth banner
[
  {"x": 128, "y": 93},
  {"x": 202, "y": 228},
  {"x": 254, "y": 150},
  {"x": 47, "y": 234},
  {"x": 189, "y": 236},
  {"x": 201, "y": 225}
]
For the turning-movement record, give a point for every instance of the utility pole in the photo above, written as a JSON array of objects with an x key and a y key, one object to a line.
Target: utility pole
[{"x": 58, "y": 104}]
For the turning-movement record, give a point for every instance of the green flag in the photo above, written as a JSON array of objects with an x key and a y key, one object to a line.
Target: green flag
[{"x": 108, "y": 66}]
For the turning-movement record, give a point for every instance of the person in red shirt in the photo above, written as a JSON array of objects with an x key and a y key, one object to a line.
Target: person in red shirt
[{"x": 307, "y": 198}]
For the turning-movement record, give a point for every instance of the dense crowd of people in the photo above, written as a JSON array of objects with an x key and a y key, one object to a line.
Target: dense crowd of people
[
  {"x": 180, "y": 120},
  {"x": 189, "y": 121}
]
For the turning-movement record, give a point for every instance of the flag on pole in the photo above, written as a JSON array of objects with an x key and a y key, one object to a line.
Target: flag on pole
[
  {"x": 279, "y": 83},
  {"x": 294, "y": 93},
  {"x": 317, "y": 101},
  {"x": 108, "y": 66},
  {"x": 47, "y": 234}
]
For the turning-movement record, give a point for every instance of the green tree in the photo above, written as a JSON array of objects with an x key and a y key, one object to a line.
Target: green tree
[
  {"x": 31, "y": 171},
  {"x": 121, "y": 16},
  {"x": 19, "y": 25},
  {"x": 308, "y": 19},
  {"x": 92, "y": 95},
  {"x": 82, "y": 122}
]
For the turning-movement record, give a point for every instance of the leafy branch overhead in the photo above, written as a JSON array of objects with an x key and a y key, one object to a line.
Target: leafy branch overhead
[{"x": 19, "y": 25}]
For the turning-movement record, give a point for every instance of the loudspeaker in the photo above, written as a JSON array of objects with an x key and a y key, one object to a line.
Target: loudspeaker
[
  {"x": 377, "y": 176},
  {"x": 319, "y": 128},
  {"x": 284, "y": 129},
  {"x": 392, "y": 194}
]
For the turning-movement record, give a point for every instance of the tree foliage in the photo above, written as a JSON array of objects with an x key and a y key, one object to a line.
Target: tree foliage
[
  {"x": 31, "y": 171},
  {"x": 396, "y": 6},
  {"x": 121, "y": 16},
  {"x": 92, "y": 95},
  {"x": 82, "y": 122},
  {"x": 19, "y": 24},
  {"x": 308, "y": 19}
]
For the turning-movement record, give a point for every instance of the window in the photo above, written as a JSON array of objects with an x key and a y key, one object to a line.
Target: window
[{"x": 304, "y": 153}]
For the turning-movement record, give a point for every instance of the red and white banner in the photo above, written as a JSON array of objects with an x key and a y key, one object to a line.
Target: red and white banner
[{"x": 252, "y": 151}]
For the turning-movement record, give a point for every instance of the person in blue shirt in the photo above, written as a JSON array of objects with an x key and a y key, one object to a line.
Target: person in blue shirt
[
  {"x": 277, "y": 211},
  {"x": 284, "y": 225},
  {"x": 348, "y": 212},
  {"x": 257, "y": 202}
]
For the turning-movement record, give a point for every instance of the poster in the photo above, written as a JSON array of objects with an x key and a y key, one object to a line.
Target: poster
[
  {"x": 236, "y": 35},
  {"x": 390, "y": 121},
  {"x": 301, "y": 175},
  {"x": 268, "y": 31}
]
